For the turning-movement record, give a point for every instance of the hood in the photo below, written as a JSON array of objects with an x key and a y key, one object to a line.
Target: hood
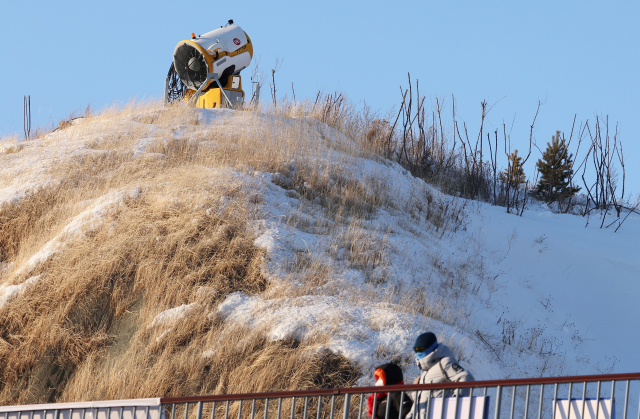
[
  {"x": 392, "y": 374},
  {"x": 442, "y": 351}
]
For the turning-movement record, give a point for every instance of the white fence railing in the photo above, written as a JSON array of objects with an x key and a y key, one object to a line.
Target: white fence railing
[{"x": 110, "y": 409}]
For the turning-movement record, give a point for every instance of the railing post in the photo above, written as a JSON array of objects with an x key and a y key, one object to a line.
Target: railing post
[
  {"x": 400, "y": 409},
  {"x": 333, "y": 406},
  {"x": 569, "y": 399},
  {"x": 598, "y": 400},
  {"x": 239, "y": 410},
  {"x": 199, "y": 410},
  {"x": 555, "y": 401},
  {"x": 639, "y": 411},
  {"x": 584, "y": 398},
  {"x": 471, "y": 402},
  {"x": 626, "y": 401},
  {"x": 455, "y": 411},
  {"x": 498, "y": 400},
  {"x": 526, "y": 402},
  {"x": 613, "y": 395},
  {"x": 513, "y": 402},
  {"x": 428, "y": 412},
  {"x": 374, "y": 408},
  {"x": 293, "y": 408},
  {"x": 347, "y": 405}
]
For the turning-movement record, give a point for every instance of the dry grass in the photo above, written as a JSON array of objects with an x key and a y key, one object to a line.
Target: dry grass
[
  {"x": 207, "y": 358},
  {"x": 148, "y": 254},
  {"x": 18, "y": 221},
  {"x": 11, "y": 138},
  {"x": 83, "y": 332},
  {"x": 87, "y": 318}
]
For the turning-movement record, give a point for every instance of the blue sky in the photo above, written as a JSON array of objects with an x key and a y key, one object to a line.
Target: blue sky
[{"x": 577, "y": 57}]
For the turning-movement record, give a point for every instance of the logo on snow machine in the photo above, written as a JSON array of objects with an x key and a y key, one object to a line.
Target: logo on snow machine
[{"x": 236, "y": 41}]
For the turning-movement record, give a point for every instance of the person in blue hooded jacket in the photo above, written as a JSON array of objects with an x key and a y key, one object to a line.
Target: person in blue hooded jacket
[{"x": 438, "y": 365}]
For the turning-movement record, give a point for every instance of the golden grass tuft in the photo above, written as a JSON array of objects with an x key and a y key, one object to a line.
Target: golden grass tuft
[
  {"x": 18, "y": 220},
  {"x": 146, "y": 254}
]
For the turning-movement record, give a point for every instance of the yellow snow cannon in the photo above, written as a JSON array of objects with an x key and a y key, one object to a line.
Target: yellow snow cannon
[{"x": 206, "y": 68}]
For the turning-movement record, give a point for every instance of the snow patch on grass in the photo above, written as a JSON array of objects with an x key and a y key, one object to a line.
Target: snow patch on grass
[
  {"x": 10, "y": 292},
  {"x": 172, "y": 315},
  {"x": 85, "y": 221}
]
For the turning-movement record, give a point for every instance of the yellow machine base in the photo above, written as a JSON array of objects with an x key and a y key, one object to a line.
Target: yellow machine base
[
  {"x": 213, "y": 98},
  {"x": 210, "y": 99}
]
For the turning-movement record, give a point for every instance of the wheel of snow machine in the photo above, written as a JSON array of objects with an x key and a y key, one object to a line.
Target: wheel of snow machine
[{"x": 175, "y": 88}]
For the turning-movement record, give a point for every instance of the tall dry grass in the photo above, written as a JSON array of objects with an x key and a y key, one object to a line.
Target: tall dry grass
[{"x": 86, "y": 329}]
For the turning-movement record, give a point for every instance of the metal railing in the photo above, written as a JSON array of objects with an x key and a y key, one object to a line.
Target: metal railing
[
  {"x": 595, "y": 397},
  {"x": 111, "y": 409},
  {"x": 536, "y": 398}
]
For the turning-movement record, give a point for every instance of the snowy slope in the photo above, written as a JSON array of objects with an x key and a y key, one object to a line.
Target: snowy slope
[
  {"x": 514, "y": 296},
  {"x": 580, "y": 283}
]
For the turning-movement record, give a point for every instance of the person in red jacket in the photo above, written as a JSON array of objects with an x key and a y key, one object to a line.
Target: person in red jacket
[{"x": 388, "y": 375}]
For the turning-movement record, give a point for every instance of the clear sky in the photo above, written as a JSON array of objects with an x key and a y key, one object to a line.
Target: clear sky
[{"x": 578, "y": 57}]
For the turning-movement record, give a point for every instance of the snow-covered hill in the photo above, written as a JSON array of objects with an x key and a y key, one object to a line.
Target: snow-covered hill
[{"x": 359, "y": 256}]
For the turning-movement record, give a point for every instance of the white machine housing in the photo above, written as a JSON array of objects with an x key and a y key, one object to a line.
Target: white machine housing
[{"x": 224, "y": 47}]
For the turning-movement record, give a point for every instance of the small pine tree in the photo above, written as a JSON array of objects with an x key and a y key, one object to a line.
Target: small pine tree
[
  {"x": 513, "y": 176},
  {"x": 556, "y": 170}
]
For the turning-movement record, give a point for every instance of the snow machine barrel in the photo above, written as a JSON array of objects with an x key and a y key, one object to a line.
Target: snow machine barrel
[{"x": 206, "y": 69}]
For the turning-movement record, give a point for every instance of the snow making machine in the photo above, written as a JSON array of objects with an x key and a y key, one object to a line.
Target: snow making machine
[{"x": 206, "y": 69}]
